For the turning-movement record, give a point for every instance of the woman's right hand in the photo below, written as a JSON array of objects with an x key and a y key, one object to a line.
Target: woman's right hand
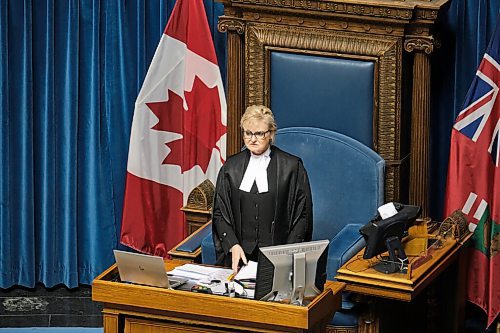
[{"x": 237, "y": 254}]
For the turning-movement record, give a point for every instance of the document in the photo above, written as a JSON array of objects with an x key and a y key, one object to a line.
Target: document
[
  {"x": 247, "y": 272},
  {"x": 201, "y": 273},
  {"x": 216, "y": 278}
]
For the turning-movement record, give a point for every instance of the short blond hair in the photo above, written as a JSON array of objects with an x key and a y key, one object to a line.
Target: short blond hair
[{"x": 259, "y": 112}]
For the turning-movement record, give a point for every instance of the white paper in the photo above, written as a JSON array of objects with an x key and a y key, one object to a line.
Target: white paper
[
  {"x": 222, "y": 274},
  {"x": 203, "y": 273},
  {"x": 249, "y": 271},
  {"x": 387, "y": 210},
  {"x": 200, "y": 269},
  {"x": 189, "y": 275},
  {"x": 250, "y": 293}
]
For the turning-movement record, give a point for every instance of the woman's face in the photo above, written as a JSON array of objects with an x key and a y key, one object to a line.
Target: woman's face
[{"x": 257, "y": 136}]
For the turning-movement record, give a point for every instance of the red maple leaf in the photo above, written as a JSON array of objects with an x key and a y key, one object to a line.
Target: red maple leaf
[{"x": 200, "y": 126}]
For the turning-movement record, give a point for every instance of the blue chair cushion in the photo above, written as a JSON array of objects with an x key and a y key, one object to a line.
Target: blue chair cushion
[
  {"x": 345, "y": 319},
  {"x": 193, "y": 243},
  {"x": 343, "y": 247},
  {"x": 347, "y": 301},
  {"x": 208, "y": 255}
]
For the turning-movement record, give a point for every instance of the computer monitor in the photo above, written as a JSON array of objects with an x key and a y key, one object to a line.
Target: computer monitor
[
  {"x": 383, "y": 235},
  {"x": 293, "y": 272}
]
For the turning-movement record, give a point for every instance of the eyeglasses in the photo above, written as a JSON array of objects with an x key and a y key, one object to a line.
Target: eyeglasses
[{"x": 258, "y": 135}]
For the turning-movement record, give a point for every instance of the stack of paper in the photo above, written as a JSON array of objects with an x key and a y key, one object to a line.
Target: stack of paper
[
  {"x": 217, "y": 278},
  {"x": 201, "y": 273}
]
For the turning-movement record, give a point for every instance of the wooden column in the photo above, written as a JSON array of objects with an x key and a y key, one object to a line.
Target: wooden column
[
  {"x": 235, "y": 80},
  {"x": 369, "y": 322},
  {"x": 420, "y": 121}
]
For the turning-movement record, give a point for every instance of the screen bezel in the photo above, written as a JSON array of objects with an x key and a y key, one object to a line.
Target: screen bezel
[{"x": 275, "y": 270}]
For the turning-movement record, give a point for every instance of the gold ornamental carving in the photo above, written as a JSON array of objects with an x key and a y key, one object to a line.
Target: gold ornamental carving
[
  {"x": 396, "y": 11},
  {"x": 420, "y": 43},
  {"x": 230, "y": 24},
  {"x": 202, "y": 196},
  {"x": 455, "y": 226},
  {"x": 330, "y": 23},
  {"x": 366, "y": 10},
  {"x": 426, "y": 14}
]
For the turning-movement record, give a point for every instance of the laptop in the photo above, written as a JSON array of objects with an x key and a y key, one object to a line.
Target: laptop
[{"x": 145, "y": 269}]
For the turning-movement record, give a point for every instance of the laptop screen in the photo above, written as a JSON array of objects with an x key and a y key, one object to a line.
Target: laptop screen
[{"x": 143, "y": 269}]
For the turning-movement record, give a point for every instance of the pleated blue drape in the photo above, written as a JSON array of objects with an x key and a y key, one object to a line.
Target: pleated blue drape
[{"x": 69, "y": 74}]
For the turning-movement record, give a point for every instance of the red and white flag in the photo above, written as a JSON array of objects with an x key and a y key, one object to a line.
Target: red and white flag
[
  {"x": 178, "y": 136},
  {"x": 474, "y": 179}
]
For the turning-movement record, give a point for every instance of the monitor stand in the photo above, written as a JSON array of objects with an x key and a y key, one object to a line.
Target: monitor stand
[
  {"x": 298, "y": 278},
  {"x": 397, "y": 261}
]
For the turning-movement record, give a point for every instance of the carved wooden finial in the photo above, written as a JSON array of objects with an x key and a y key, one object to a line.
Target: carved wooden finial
[
  {"x": 454, "y": 226},
  {"x": 202, "y": 196},
  {"x": 198, "y": 209}
]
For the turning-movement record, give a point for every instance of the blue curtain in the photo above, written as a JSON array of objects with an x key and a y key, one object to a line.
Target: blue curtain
[
  {"x": 69, "y": 74},
  {"x": 465, "y": 27}
]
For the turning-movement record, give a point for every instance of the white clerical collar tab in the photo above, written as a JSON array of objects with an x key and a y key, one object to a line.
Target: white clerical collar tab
[{"x": 256, "y": 172}]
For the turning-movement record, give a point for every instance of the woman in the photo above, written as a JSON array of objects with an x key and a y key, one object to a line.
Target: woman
[{"x": 262, "y": 196}]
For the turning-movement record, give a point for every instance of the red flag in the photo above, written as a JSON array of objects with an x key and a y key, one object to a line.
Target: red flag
[
  {"x": 178, "y": 132},
  {"x": 474, "y": 179}
]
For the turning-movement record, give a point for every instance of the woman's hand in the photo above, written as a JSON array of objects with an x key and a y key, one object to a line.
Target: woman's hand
[{"x": 237, "y": 253}]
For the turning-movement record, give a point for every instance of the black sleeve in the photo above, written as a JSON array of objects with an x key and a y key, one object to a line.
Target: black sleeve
[
  {"x": 222, "y": 216},
  {"x": 302, "y": 216}
]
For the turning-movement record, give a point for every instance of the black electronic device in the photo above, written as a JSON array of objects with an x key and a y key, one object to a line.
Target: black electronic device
[
  {"x": 385, "y": 235},
  {"x": 292, "y": 272},
  {"x": 201, "y": 289}
]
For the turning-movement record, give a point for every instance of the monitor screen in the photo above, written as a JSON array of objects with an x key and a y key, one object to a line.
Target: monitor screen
[
  {"x": 291, "y": 272},
  {"x": 377, "y": 231}
]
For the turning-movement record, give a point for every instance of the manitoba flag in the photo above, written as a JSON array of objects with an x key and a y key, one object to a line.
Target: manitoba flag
[
  {"x": 178, "y": 132},
  {"x": 474, "y": 179}
]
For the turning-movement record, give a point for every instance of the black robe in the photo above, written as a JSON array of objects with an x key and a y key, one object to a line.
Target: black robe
[{"x": 293, "y": 207}]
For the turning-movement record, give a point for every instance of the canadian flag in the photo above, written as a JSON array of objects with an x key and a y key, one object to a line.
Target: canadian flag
[{"x": 178, "y": 135}]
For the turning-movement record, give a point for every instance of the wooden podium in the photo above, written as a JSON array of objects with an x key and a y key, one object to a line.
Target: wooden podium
[
  {"x": 135, "y": 308},
  {"x": 361, "y": 278}
]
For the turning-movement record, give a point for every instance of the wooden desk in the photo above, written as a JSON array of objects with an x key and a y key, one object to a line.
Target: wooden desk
[
  {"x": 361, "y": 278},
  {"x": 134, "y": 308}
]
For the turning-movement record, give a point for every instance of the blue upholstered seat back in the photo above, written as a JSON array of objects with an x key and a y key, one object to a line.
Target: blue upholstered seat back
[
  {"x": 346, "y": 177},
  {"x": 320, "y": 91}
]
